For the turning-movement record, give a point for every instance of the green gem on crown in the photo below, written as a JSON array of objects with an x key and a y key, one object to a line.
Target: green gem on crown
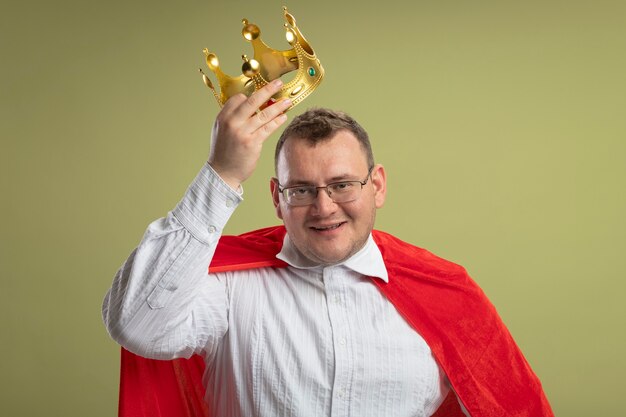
[{"x": 311, "y": 71}]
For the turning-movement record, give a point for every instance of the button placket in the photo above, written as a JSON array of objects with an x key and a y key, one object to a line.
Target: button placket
[{"x": 338, "y": 317}]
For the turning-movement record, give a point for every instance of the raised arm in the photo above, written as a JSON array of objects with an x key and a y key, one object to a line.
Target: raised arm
[{"x": 161, "y": 304}]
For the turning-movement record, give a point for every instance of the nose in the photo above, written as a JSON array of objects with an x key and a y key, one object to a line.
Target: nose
[{"x": 323, "y": 204}]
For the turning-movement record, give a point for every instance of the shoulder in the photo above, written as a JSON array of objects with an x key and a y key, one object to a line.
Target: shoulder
[
  {"x": 255, "y": 249},
  {"x": 405, "y": 258}
]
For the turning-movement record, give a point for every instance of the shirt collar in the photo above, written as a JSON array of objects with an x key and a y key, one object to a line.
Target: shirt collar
[{"x": 367, "y": 261}]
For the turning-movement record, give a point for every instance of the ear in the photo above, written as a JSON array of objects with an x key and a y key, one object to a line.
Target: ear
[
  {"x": 276, "y": 197},
  {"x": 379, "y": 182}
]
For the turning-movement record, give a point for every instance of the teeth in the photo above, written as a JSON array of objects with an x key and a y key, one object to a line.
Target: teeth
[{"x": 329, "y": 227}]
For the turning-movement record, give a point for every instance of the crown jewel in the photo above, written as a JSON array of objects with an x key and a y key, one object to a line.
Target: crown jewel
[{"x": 269, "y": 64}]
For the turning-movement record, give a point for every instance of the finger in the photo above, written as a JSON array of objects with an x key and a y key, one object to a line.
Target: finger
[
  {"x": 263, "y": 132},
  {"x": 233, "y": 103},
  {"x": 269, "y": 114},
  {"x": 249, "y": 107}
]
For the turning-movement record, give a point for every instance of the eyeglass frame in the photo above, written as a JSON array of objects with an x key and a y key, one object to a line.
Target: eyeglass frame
[{"x": 281, "y": 189}]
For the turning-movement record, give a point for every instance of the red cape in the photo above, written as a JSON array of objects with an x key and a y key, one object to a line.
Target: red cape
[{"x": 437, "y": 297}]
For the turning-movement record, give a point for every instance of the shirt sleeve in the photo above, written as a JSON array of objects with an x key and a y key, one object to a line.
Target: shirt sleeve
[{"x": 162, "y": 303}]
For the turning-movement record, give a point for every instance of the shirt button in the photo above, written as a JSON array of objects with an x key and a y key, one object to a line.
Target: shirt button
[
  {"x": 342, "y": 342},
  {"x": 212, "y": 229},
  {"x": 230, "y": 202},
  {"x": 341, "y": 393},
  {"x": 336, "y": 299}
]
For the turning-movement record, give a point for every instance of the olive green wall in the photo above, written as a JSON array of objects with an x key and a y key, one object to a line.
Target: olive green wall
[{"x": 502, "y": 126}]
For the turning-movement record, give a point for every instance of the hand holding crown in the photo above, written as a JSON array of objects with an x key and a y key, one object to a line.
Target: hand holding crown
[
  {"x": 248, "y": 116},
  {"x": 240, "y": 130}
]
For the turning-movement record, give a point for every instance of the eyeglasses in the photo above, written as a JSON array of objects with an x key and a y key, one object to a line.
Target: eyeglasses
[{"x": 339, "y": 192}]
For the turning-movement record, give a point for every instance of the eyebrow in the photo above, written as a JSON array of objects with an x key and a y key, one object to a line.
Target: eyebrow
[{"x": 336, "y": 178}]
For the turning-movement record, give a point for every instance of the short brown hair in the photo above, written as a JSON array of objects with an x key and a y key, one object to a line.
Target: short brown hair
[{"x": 319, "y": 124}]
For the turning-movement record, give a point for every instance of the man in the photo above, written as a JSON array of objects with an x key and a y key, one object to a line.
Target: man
[{"x": 313, "y": 332}]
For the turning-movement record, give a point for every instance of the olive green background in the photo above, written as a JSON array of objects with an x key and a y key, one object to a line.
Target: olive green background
[{"x": 501, "y": 124}]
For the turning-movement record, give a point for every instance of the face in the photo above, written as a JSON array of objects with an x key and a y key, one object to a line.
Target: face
[{"x": 327, "y": 232}]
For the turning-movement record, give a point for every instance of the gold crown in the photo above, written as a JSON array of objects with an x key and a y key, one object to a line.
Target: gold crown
[{"x": 269, "y": 64}]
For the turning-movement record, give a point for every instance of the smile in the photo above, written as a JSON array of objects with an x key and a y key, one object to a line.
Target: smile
[{"x": 327, "y": 228}]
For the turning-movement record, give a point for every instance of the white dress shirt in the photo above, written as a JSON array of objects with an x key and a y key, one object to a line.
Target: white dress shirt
[{"x": 305, "y": 340}]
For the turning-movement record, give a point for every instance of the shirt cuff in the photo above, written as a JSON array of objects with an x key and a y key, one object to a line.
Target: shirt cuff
[{"x": 207, "y": 205}]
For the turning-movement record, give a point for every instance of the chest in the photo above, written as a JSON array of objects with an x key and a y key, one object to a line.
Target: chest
[{"x": 329, "y": 342}]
